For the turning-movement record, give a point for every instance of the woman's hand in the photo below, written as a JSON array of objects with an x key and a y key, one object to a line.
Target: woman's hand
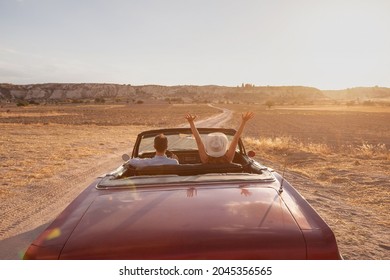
[
  {"x": 247, "y": 116},
  {"x": 190, "y": 118}
]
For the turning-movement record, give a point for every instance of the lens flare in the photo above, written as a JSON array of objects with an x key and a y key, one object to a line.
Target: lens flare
[{"x": 53, "y": 234}]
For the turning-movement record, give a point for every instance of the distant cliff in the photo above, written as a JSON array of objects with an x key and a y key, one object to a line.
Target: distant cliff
[
  {"x": 185, "y": 93},
  {"x": 360, "y": 93},
  {"x": 63, "y": 91}
]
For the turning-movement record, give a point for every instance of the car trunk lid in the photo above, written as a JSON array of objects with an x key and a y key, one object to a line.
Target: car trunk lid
[{"x": 224, "y": 222}]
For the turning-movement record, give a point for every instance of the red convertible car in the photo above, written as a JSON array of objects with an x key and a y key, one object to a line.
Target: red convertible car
[{"x": 241, "y": 210}]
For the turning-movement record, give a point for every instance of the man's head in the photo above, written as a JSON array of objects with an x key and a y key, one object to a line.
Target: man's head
[{"x": 161, "y": 143}]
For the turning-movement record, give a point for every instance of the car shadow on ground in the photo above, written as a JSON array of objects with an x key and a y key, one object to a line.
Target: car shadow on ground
[{"x": 13, "y": 248}]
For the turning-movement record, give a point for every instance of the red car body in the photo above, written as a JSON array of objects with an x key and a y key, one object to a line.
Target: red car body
[{"x": 190, "y": 211}]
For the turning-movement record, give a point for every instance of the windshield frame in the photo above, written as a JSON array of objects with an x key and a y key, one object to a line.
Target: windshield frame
[{"x": 184, "y": 133}]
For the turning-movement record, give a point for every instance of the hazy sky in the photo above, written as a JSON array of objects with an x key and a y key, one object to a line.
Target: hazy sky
[{"x": 329, "y": 44}]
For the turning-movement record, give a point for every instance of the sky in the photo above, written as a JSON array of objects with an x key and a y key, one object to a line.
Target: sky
[{"x": 329, "y": 44}]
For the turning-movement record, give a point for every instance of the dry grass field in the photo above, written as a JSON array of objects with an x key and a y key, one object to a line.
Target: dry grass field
[
  {"x": 339, "y": 160},
  {"x": 39, "y": 141},
  {"x": 337, "y": 157}
]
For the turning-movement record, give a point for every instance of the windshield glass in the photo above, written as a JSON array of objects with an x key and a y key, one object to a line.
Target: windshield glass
[{"x": 176, "y": 142}]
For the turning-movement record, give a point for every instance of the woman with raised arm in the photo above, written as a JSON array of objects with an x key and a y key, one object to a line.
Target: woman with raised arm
[{"x": 215, "y": 149}]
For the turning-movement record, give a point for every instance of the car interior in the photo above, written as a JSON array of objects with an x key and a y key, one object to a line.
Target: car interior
[
  {"x": 189, "y": 164},
  {"x": 188, "y": 155}
]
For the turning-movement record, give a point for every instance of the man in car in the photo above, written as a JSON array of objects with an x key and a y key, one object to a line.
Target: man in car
[{"x": 161, "y": 146}]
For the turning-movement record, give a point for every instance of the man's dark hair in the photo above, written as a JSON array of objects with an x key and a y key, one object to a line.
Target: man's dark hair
[{"x": 160, "y": 143}]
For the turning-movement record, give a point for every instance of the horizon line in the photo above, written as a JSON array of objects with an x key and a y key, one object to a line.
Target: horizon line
[{"x": 191, "y": 85}]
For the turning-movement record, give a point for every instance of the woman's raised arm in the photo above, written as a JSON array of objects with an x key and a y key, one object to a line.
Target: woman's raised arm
[
  {"x": 233, "y": 145},
  {"x": 202, "y": 151}
]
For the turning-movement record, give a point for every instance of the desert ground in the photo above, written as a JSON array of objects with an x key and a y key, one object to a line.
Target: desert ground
[{"x": 336, "y": 156}]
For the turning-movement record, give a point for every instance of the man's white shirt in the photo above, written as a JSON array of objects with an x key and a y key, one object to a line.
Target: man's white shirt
[{"x": 156, "y": 160}]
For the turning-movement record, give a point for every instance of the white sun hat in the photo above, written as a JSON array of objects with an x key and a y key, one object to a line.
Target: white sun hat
[{"x": 216, "y": 144}]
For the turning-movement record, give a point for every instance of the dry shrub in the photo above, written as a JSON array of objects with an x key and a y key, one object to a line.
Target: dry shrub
[
  {"x": 285, "y": 145},
  {"x": 366, "y": 151},
  {"x": 316, "y": 148},
  {"x": 372, "y": 151},
  {"x": 276, "y": 144}
]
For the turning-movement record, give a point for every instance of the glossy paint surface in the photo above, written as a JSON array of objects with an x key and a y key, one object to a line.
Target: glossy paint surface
[
  {"x": 228, "y": 223},
  {"x": 231, "y": 221}
]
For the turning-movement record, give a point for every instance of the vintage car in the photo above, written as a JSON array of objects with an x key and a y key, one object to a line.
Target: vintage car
[{"x": 241, "y": 210}]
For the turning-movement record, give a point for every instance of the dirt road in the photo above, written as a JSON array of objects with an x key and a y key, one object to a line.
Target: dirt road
[
  {"x": 215, "y": 121},
  {"x": 29, "y": 212}
]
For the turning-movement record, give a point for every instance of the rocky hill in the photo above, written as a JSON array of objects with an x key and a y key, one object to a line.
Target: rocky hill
[
  {"x": 360, "y": 93},
  {"x": 55, "y": 92}
]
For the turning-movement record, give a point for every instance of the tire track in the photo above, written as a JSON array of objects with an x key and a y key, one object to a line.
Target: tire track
[{"x": 44, "y": 200}]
